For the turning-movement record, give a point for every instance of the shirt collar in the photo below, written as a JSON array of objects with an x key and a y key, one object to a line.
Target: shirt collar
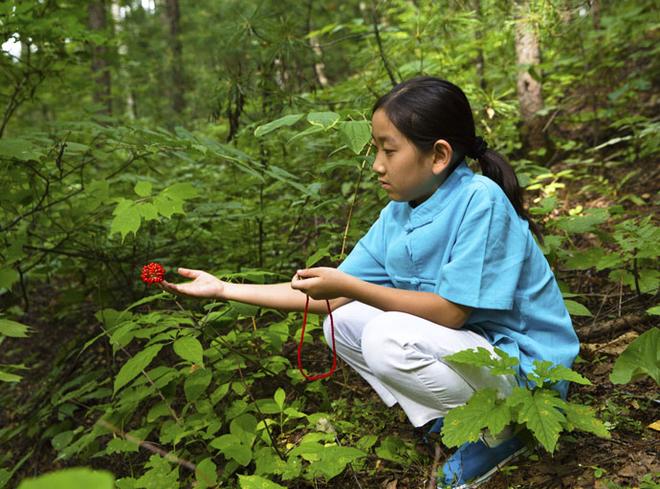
[{"x": 443, "y": 195}]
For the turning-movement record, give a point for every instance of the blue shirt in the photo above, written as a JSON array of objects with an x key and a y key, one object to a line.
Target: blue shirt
[{"x": 467, "y": 244}]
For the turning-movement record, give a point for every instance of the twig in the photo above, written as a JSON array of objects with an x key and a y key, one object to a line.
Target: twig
[
  {"x": 434, "y": 467},
  {"x": 155, "y": 449},
  {"x": 350, "y": 210},
  {"x": 227, "y": 345},
  {"x": 380, "y": 46},
  {"x": 261, "y": 417},
  {"x": 160, "y": 394}
]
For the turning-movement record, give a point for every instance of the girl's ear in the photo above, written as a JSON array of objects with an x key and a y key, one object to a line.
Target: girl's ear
[{"x": 442, "y": 155}]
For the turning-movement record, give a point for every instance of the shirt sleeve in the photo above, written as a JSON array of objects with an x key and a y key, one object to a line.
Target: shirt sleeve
[
  {"x": 367, "y": 259},
  {"x": 487, "y": 256}
]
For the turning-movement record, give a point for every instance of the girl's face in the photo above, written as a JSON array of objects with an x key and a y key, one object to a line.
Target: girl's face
[{"x": 405, "y": 173}]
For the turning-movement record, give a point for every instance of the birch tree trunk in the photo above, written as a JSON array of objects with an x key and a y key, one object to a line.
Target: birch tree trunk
[
  {"x": 98, "y": 21},
  {"x": 530, "y": 96},
  {"x": 319, "y": 66}
]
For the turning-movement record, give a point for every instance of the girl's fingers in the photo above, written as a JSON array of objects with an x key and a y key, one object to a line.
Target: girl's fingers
[
  {"x": 186, "y": 272},
  {"x": 167, "y": 286}
]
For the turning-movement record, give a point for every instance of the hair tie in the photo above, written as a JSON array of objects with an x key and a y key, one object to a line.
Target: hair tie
[{"x": 478, "y": 149}]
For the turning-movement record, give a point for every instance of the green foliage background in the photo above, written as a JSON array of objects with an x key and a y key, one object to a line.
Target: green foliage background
[{"x": 88, "y": 197}]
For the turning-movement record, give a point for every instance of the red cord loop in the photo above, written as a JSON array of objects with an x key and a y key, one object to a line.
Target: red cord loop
[{"x": 302, "y": 338}]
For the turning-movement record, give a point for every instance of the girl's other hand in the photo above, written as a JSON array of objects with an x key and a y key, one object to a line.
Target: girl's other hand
[
  {"x": 203, "y": 284},
  {"x": 320, "y": 282}
]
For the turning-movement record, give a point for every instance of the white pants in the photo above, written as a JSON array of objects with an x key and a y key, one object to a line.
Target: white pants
[{"x": 401, "y": 356}]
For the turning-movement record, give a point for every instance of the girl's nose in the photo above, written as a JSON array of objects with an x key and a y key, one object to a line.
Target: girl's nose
[{"x": 377, "y": 165}]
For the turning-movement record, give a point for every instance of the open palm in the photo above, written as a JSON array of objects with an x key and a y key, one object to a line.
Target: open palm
[{"x": 203, "y": 284}]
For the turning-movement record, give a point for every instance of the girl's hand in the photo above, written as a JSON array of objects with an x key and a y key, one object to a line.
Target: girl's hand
[
  {"x": 321, "y": 282},
  {"x": 203, "y": 285}
]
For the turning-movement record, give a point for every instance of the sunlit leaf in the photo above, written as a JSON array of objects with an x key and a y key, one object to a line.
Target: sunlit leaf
[
  {"x": 287, "y": 120},
  {"x": 642, "y": 357},
  {"x": 69, "y": 478}
]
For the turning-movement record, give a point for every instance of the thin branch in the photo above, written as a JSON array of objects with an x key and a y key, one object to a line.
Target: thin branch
[
  {"x": 380, "y": 46},
  {"x": 350, "y": 210}
]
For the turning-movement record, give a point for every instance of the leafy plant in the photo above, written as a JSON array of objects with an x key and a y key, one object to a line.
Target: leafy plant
[{"x": 536, "y": 407}]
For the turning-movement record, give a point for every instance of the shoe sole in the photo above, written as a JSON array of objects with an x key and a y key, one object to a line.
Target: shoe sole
[{"x": 483, "y": 478}]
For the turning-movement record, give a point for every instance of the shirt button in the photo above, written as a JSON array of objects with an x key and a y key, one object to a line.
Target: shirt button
[{"x": 414, "y": 282}]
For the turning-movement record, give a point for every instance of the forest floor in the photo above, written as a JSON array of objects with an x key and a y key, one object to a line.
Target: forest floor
[{"x": 580, "y": 461}]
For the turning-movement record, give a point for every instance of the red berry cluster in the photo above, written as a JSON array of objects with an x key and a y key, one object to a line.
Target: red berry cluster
[{"x": 152, "y": 273}]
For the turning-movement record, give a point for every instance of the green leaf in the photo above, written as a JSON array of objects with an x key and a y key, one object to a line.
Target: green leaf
[
  {"x": 190, "y": 349},
  {"x": 538, "y": 411},
  {"x": 168, "y": 205},
  {"x": 62, "y": 440},
  {"x": 393, "y": 449},
  {"x": 546, "y": 371},
  {"x": 9, "y": 377},
  {"x": 323, "y": 119},
  {"x": 19, "y": 149},
  {"x": 306, "y": 132},
  {"x": 584, "y": 223},
  {"x": 279, "y": 397},
  {"x": 483, "y": 410},
  {"x": 8, "y": 277},
  {"x": 13, "y": 329},
  {"x": 287, "y": 120},
  {"x": 127, "y": 220},
  {"x": 244, "y": 427},
  {"x": 197, "y": 383},
  {"x": 206, "y": 474},
  {"x": 500, "y": 364},
  {"x": 653, "y": 311},
  {"x": 158, "y": 410},
  {"x": 232, "y": 447},
  {"x": 5, "y": 475},
  {"x": 148, "y": 211},
  {"x": 70, "y": 478},
  {"x": 642, "y": 357},
  {"x": 317, "y": 256},
  {"x": 357, "y": 135},
  {"x": 257, "y": 482},
  {"x": 576, "y": 309},
  {"x": 161, "y": 475},
  {"x": 181, "y": 191},
  {"x": 584, "y": 259},
  {"x": 119, "y": 445},
  {"x": 334, "y": 459},
  {"x": 143, "y": 188},
  {"x": 584, "y": 419},
  {"x": 135, "y": 365}
]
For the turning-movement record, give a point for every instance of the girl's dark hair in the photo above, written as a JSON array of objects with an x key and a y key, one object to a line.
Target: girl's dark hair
[{"x": 425, "y": 109}]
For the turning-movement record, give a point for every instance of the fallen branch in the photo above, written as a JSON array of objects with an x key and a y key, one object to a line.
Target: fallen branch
[{"x": 612, "y": 327}]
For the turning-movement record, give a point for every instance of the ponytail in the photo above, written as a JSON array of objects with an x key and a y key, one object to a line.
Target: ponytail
[{"x": 495, "y": 166}]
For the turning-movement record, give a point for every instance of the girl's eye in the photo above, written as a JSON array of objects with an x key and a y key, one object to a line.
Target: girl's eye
[{"x": 388, "y": 151}]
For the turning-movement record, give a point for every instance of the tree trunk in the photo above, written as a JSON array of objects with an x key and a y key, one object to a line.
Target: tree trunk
[
  {"x": 319, "y": 66},
  {"x": 98, "y": 21},
  {"x": 173, "y": 16},
  {"x": 476, "y": 5},
  {"x": 595, "y": 14},
  {"x": 529, "y": 89}
]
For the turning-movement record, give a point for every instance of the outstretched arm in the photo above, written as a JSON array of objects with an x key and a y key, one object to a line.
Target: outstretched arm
[
  {"x": 277, "y": 296},
  {"x": 329, "y": 282}
]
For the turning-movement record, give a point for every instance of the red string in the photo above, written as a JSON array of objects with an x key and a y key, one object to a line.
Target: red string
[{"x": 302, "y": 338}]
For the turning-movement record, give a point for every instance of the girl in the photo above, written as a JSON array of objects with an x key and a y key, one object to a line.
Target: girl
[{"x": 450, "y": 264}]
